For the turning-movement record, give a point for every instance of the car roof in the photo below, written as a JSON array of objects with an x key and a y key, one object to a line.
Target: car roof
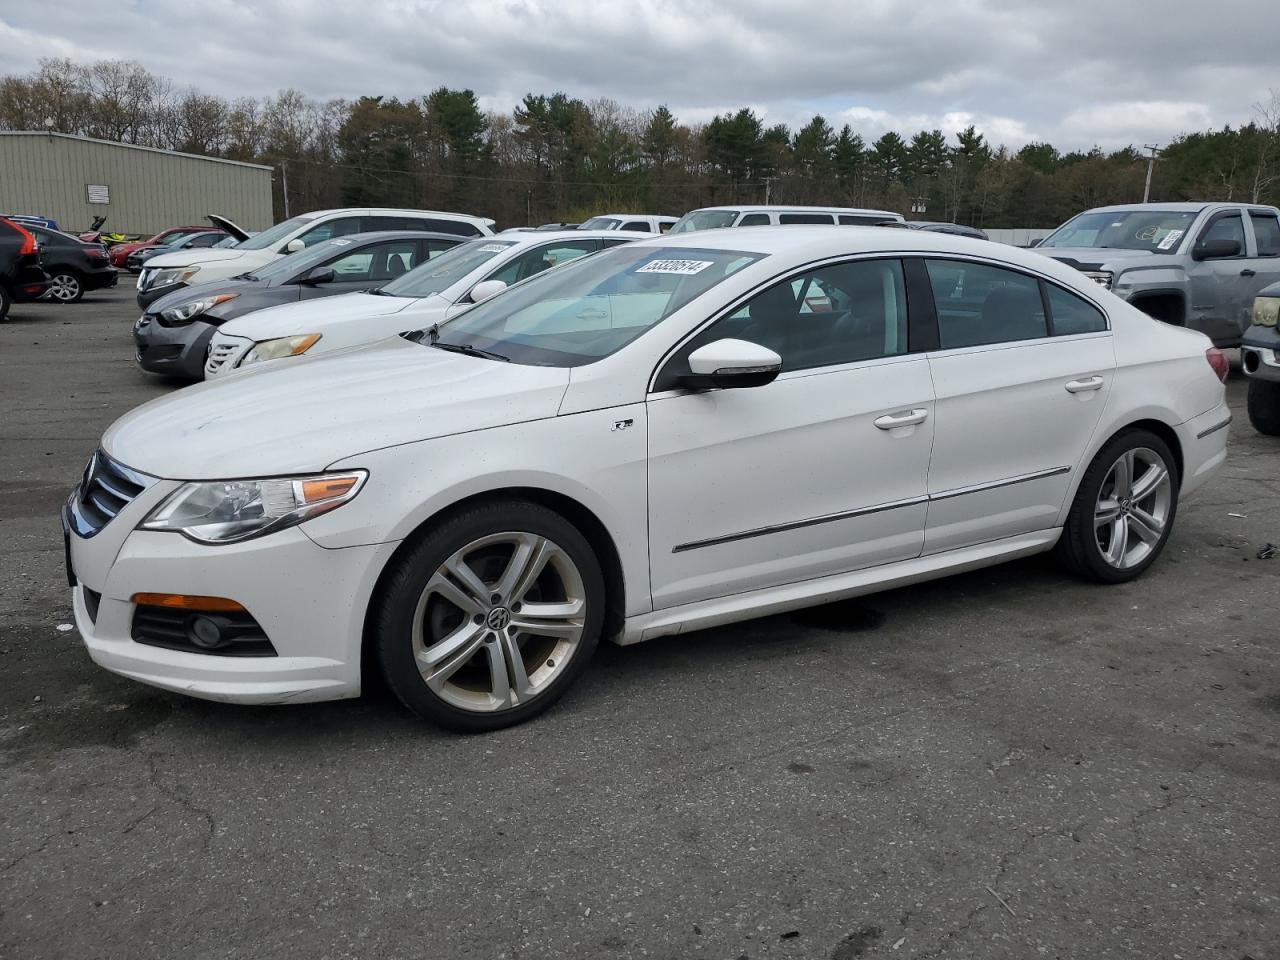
[
  {"x": 624, "y": 216},
  {"x": 531, "y": 237},
  {"x": 396, "y": 211},
  {"x": 373, "y": 236},
  {"x": 799, "y": 208}
]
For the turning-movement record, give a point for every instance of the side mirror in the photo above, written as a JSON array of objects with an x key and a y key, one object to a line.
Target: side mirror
[
  {"x": 318, "y": 276},
  {"x": 486, "y": 289},
  {"x": 294, "y": 245},
  {"x": 1215, "y": 249},
  {"x": 725, "y": 364}
]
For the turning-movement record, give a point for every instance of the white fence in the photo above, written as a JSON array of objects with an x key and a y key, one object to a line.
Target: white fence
[{"x": 1020, "y": 236}]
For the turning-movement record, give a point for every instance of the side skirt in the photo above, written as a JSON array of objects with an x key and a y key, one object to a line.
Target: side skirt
[{"x": 807, "y": 593}]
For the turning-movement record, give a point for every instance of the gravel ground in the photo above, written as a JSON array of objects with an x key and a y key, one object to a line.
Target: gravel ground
[{"x": 1003, "y": 764}]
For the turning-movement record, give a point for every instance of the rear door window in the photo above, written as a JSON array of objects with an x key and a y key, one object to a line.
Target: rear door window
[
  {"x": 1069, "y": 314},
  {"x": 1266, "y": 230},
  {"x": 637, "y": 225},
  {"x": 979, "y": 304},
  {"x": 825, "y": 218}
]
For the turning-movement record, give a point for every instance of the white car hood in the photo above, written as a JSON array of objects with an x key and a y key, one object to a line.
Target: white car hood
[
  {"x": 188, "y": 257},
  {"x": 306, "y": 415},
  {"x": 314, "y": 316}
]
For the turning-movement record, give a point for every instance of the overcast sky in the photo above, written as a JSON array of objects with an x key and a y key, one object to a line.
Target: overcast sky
[{"x": 1073, "y": 72}]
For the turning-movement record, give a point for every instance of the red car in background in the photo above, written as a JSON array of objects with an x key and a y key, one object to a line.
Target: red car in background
[{"x": 119, "y": 254}]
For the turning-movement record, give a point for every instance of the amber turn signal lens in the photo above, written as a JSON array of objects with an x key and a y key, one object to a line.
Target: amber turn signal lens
[
  {"x": 181, "y": 601},
  {"x": 326, "y": 488}
]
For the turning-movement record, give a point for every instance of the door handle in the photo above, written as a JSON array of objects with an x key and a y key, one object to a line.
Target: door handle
[
  {"x": 1084, "y": 384},
  {"x": 1246, "y": 272},
  {"x": 905, "y": 418}
]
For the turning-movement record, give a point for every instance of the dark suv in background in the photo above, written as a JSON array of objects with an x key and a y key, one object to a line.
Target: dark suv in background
[
  {"x": 21, "y": 277},
  {"x": 74, "y": 265}
]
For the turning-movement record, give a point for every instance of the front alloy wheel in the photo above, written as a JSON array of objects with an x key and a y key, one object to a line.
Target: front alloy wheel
[
  {"x": 491, "y": 617},
  {"x": 66, "y": 288}
]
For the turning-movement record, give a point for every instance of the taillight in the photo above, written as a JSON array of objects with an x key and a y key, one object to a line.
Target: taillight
[
  {"x": 28, "y": 239},
  {"x": 1218, "y": 360}
]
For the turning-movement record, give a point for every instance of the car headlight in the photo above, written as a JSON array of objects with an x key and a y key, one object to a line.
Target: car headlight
[
  {"x": 167, "y": 275},
  {"x": 1266, "y": 311},
  {"x": 189, "y": 311},
  {"x": 228, "y": 511},
  {"x": 283, "y": 347},
  {"x": 1102, "y": 277}
]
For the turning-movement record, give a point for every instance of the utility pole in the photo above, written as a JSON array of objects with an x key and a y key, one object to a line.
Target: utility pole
[
  {"x": 284, "y": 185},
  {"x": 1151, "y": 162}
]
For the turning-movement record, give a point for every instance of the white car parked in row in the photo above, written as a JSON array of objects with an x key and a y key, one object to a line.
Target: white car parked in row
[
  {"x": 645, "y": 222},
  {"x": 173, "y": 271},
  {"x": 430, "y": 293},
  {"x": 715, "y": 218},
  {"x": 677, "y": 433}
]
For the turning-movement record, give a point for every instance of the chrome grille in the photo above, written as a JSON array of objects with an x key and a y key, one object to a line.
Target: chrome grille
[
  {"x": 106, "y": 488},
  {"x": 219, "y": 355}
]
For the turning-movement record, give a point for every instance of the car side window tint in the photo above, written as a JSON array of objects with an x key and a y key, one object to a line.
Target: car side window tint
[
  {"x": 1229, "y": 227},
  {"x": 436, "y": 247},
  {"x": 754, "y": 220},
  {"x": 542, "y": 258},
  {"x": 457, "y": 227},
  {"x": 636, "y": 225},
  {"x": 1070, "y": 314},
  {"x": 339, "y": 227},
  {"x": 861, "y": 220},
  {"x": 824, "y": 218},
  {"x": 1266, "y": 230},
  {"x": 837, "y": 314},
  {"x": 354, "y": 266},
  {"x": 978, "y": 304}
]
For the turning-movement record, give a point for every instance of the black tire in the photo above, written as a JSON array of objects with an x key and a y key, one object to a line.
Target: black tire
[
  {"x": 1079, "y": 549},
  {"x": 64, "y": 278},
  {"x": 405, "y": 589},
  {"x": 1264, "y": 406},
  {"x": 6, "y": 302}
]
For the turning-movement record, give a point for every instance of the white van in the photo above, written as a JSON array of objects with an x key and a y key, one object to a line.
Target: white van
[
  {"x": 173, "y": 271},
  {"x": 645, "y": 222},
  {"x": 711, "y": 218}
]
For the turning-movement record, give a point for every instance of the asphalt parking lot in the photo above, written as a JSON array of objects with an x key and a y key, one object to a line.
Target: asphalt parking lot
[{"x": 1003, "y": 764}]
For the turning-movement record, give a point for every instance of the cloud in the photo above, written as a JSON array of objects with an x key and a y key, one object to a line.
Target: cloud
[{"x": 1075, "y": 74}]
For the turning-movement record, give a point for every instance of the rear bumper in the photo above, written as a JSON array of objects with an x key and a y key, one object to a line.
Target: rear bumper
[
  {"x": 1260, "y": 353},
  {"x": 1204, "y": 446},
  {"x": 101, "y": 278}
]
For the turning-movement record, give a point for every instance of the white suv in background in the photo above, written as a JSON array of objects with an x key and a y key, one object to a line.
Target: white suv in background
[
  {"x": 173, "y": 271},
  {"x": 432, "y": 292},
  {"x": 712, "y": 218},
  {"x": 645, "y": 222}
]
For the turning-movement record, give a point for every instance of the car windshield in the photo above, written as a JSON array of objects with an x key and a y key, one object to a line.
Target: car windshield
[
  {"x": 705, "y": 220},
  {"x": 583, "y": 311},
  {"x": 440, "y": 273},
  {"x": 268, "y": 237},
  {"x": 301, "y": 261},
  {"x": 600, "y": 223},
  {"x": 1155, "y": 231},
  {"x": 227, "y": 242}
]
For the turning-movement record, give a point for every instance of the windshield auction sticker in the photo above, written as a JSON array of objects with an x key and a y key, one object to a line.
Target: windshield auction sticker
[
  {"x": 1169, "y": 240},
  {"x": 686, "y": 267},
  {"x": 494, "y": 247}
]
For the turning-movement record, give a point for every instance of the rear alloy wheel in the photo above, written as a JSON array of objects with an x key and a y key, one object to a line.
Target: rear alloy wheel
[
  {"x": 1123, "y": 511},
  {"x": 1264, "y": 406},
  {"x": 67, "y": 287},
  {"x": 490, "y": 619}
]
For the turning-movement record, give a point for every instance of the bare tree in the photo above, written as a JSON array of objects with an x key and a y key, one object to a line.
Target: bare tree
[{"x": 1267, "y": 158}]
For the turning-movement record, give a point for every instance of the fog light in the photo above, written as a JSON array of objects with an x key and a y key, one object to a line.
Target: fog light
[{"x": 205, "y": 633}]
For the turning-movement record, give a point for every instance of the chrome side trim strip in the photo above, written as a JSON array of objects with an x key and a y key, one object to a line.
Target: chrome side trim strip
[
  {"x": 866, "y": 511},
  {"x": 996, "y": 484},
  {"x": 797, "y": 524},
  {"x": 1214, "y": 429}
]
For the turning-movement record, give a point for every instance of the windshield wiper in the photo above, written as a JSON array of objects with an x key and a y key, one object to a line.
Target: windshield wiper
[{"x": 466, "y": 348}]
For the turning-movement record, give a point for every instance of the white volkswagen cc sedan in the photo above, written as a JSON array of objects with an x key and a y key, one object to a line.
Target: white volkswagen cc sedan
[{"x": 677, "y": 433}]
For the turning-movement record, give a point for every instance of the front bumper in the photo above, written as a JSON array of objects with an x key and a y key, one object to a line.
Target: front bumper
[
  {"x": 172, "y": 351},
  {"x": 1260, "y": 353},
  {"x": 309, "y": 600}
]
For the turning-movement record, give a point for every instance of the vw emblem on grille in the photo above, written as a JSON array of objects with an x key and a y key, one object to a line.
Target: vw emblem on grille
[{"x": 498, "y": 619}]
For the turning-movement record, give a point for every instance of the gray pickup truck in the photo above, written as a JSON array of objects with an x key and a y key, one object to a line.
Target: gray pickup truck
[{"x": 1196, "y": 265}]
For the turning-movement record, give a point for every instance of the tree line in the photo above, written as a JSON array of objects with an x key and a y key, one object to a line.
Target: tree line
[{"x": 557, "y": 157}]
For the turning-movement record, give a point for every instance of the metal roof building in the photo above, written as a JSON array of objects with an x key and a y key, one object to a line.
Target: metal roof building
[{"x": 139, "y": 189}]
